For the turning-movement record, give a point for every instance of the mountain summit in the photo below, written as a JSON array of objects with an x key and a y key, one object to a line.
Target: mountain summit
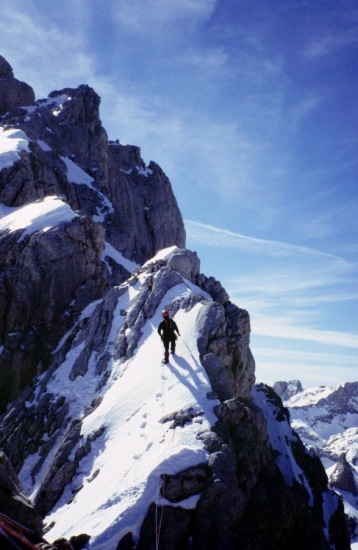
[{"x": 107, "y": 447}]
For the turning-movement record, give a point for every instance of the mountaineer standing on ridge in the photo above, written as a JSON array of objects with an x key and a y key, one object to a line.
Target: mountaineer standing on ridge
[{"x": 166, "y": 330}]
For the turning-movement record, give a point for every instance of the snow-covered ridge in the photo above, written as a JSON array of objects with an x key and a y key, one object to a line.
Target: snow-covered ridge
[
  {"x": 104, "y": 437},
  {"x": 139, "y": 394},
  {"x": 12, "y": 142},
  {"x": 37, "y": 216},
  {"x": 56, "y": 102}
]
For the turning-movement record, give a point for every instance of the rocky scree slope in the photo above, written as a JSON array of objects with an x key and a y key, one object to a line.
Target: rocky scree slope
[{"x": 78, "y": 318}]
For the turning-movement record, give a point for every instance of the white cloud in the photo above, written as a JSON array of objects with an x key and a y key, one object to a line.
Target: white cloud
[
  {"x": 296, "y": 356},
  {"x": 156, "y": 13},
  {"x": 218, "y": 237},
  {"x": 271, "y": 327},
  {"x": 270, "y": 372},
  {"x": 304, "y": 107},
  {"x": 41, "y": 51},
  {"x": 330, "y": 43},
  {"x": 212, "y": 59},
  {"x": 293, "y": 293}
]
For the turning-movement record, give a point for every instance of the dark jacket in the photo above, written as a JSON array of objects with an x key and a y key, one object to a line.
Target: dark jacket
[{"x": 167, "y": 329}]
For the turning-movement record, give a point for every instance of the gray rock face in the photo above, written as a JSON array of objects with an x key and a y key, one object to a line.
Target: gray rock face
[
  {"x": 326, "y": 420},
  {"x": 13, "y": 501},
  {"x": 47, "y": 279},
  {"x": 186, "y": 263},
  {"x": 13, "y": 93},
  {"x": 342, "y": 476},
  {"x": 149, "y": 219},
  {"x": 224, "y": 349},
  {"x": 342, "y": 401}
]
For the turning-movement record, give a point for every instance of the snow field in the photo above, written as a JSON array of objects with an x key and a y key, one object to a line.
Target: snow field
[
  {"x": 121, "y": 475},
  {"x": 12, "y": 142}
]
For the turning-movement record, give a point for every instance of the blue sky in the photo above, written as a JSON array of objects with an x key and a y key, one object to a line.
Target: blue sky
[{"x": 250, "y": 107}]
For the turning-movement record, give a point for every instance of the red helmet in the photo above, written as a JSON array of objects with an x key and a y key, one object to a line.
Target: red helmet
[{"x": 165, "y": 313}]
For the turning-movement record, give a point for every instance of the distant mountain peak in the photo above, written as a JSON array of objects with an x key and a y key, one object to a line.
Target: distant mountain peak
[{"x": 285, "y": 390}]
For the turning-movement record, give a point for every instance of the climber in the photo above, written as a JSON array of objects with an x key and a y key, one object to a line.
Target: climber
[{"x": 166, "y": 330}]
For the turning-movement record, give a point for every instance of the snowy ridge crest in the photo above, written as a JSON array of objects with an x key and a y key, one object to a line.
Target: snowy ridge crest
[{"x": 115, "y": 450}]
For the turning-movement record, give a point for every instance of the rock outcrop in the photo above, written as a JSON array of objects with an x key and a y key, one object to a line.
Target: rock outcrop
[
  {"x": 13, "y": 93},
  {"x": 342, "y": 476},
  {"x": 13, "y": 501},
  {"x": 46, "y": 280}
]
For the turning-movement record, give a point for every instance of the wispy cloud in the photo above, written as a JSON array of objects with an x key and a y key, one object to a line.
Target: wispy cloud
[
  {"x": 274, "y": 364},
  {"x": 218, "y": 237},
  {"x": 214, "y": 59},
  {"x": 270, "y": 372},
  {"x": 296, "y": 356},
  {"x": 287, "y": 297},
  {"x": 330, "y": 43},
  {"x": 153, "y": 15},
  {"x": 29, "y": 37},
  {"x": 272, "y": 328}
]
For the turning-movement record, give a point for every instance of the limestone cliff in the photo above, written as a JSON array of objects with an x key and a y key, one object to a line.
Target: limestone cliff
[{"x": 119, "y": 206}]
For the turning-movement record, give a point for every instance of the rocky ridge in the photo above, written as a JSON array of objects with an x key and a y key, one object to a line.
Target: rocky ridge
[{"x": 79, "y": 298}]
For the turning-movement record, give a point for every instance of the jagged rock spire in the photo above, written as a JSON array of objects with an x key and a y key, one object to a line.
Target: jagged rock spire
[
  {"x": 13, "y": 93},
  {"x": 5, "y": 68}
]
